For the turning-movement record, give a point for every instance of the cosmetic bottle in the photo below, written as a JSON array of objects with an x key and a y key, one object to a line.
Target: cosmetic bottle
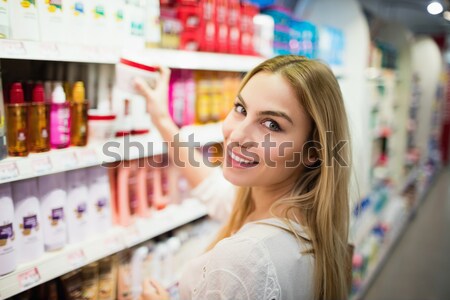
[
  {"x": 122, "y": 194},
  {"x": 77, "y": 207},
  {"x": 39, "y": 121},
  {"x": 107, "y": 278},
  {"x": 138, "y": 257},
  {"x": 16, "y": 118},
  {"x": 3, "y": 147},
  {"x": 53, "y": 197},
  {"x": 90, "y": 281},
  {"x": 30, "y": 238},
  {"x": 79, "y": 116},
  {"x": 99, "y": 199},
  {"x": 4, "y": 20},
  {"x": 8, "y": 252},
  {"x": 59, "y": 119}
]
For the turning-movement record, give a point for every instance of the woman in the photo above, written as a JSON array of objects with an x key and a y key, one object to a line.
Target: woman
[{"x": 287, "y": 151}]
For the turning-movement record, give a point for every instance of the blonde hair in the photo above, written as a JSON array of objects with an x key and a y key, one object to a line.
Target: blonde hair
[{"x": 320, "y": 193}]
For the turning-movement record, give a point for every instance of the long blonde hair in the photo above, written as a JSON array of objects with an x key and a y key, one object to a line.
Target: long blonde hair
[{"x": 320, "y": 193}]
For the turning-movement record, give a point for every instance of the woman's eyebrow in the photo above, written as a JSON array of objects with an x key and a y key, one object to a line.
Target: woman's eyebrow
[{"x": 269, "y": 112}]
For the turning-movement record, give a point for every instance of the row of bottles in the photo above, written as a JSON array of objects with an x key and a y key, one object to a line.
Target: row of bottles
[
  {"x": 37, "y": 125},
  {"x": 47, "y": 212}
]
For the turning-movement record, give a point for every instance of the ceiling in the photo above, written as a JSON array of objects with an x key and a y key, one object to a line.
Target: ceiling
[{"x": 412, "y": 13}]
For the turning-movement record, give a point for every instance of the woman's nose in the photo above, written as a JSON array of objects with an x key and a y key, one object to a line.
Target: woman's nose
[{"x": 242, "y": 135}]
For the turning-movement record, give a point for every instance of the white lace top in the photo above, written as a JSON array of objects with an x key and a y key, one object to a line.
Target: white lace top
[{"x": 260, "y": 261}]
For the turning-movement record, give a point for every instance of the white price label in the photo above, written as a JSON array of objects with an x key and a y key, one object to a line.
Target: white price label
[
  {"x": 87, "y": 156},
  {"x": 113, "y": 244},
  {"x": 133, "y": 236},
  {"x": 42, "y": 164},
  {"x": 77, "y": 258},
  {"x": 29, "y": 278},
  {"x": 14, "y": 48},
  {"x": 49, "y": 49},
  {"x": 68, "y": 159},
  {"x": 8, "y": 171}
]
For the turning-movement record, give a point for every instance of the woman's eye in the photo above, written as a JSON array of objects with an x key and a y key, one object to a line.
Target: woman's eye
[
  {"x": 272, "y": 125},
  {"x": 239, "y": 109}
]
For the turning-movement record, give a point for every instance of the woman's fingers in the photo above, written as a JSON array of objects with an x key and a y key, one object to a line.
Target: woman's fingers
[
  {"x": 152, "y": 290},
  {"x": 143, "y": 88},
  {"x": 158, "y": 287}
]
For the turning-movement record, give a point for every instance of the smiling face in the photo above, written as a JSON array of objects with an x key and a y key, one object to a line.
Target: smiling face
[{"x": 262, "y": 133}]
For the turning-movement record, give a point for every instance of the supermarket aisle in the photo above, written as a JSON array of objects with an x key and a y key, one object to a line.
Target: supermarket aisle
[{"x": 419, "y": 267}]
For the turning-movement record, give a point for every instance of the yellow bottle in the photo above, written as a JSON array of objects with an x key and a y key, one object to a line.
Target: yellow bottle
[
  {"x": 79, "y": 116},
  {"x": 16, "y": 122},
  {"x": 39, "y": 120}
]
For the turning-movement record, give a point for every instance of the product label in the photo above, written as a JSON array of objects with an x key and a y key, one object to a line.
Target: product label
[
  {"x": 54, "y": 5},
  {"x": 56, "y": 216},
  {"x": 76, "y": 258},
  {"x": 29, "y": 278},
  {"x": 8, "y": 171},
  {"x": 101, "y": 203},
  {"x": 29, "y": 223},
  {"x": 78, "y": 8},
  {"x": 80, "y": 210},
  {"x": 6, "y": 233},
  {"x": 119, "y": 16},
  {"x": 27, "y": 3},
  {"x": 42, "y": 164},
  {"x": 99, "y": 12}
]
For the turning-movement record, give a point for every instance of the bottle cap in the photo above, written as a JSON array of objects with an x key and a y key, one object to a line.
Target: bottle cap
[
  {"x": 78, "y": 92},
  {"x": 58, "y": 95},
  {"x": 38, "y": 93},
  {"x": 16, "y": 93}
]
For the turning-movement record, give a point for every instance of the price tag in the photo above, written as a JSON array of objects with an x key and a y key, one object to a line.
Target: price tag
[
  {"x": 87, "y": 156},
  {"x": 13, "y": 48},
  {"x": 8, "y": 171},
  {"x": 133, "y": 236},
  {"x": 49, "y": 49},
  {"x": 77, "y": 258},
  {"x": 113, "y": 244},
  {"x": 68, "y": 159},
  {"x": 42, "y": 164},
  {"x": 29, "y": 278}
]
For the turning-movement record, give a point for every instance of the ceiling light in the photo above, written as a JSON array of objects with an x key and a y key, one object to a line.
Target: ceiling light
[
  {"x": 434, "y": 8},
  {"x": 447, "y": 15}
]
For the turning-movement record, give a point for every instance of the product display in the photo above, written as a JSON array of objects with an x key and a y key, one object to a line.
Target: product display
[{"x": 68, "y": 98}]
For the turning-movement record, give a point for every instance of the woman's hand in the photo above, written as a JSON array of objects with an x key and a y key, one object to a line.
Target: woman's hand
[
  {"x": 151, "y": 290},
  {"x": 156, "y": 96}
]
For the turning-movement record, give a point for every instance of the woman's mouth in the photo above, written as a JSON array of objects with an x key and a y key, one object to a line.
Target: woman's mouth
[{"x": 238, "y": 161}]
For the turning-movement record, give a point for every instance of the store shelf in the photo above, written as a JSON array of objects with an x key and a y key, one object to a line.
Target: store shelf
[
  {"x": 55, "y": 264},
  {"x": 195, "y": 60},
  {"x": 51, "y": 51},
  {"x": 128, "y": 148}
]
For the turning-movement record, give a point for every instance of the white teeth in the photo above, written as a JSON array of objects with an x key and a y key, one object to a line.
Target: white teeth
[{"x": 238, "y": 159}]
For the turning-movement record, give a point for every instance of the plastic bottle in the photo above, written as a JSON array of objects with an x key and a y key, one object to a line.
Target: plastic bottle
[
  {"x": 59, "y": 119},
  {"x": 53, "y": 197},
  {"x": 39, "y": 120},
  {"x": 16, "y": 118},
  {"x": 4, "y": 20},
  {"x": 3, "y": 147},
  {"x": 79, "y": 116},
  {"x": 30, "y": 238},
  {"x": 100, "y": 199},
  {"x": 77, "y": 206},
  {"x": 8, "y": 251}
]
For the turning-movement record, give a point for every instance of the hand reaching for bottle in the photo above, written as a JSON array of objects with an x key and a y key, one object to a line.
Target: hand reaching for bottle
[
  {"x": 156, "y": 96},
  {"x": 152, "y": 290}
]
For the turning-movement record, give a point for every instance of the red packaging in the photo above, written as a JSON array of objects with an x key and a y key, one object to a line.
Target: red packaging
[
  {"x": 248, "y": 11},
  {"x": 190, "y": 17},
  {"x": 190, "y": 41},
  {"x": 188, "y": 2},
  {"x": 221, "y": 26},
  {"x": 208, "y": 30},
  {"x": 234, "y": 29}
]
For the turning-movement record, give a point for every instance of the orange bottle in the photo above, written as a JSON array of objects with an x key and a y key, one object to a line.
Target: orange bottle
[
  {"x": 79, "y": 116},
  {"x": 16, "y": 122},
  {"x": 39, "y": 120}
]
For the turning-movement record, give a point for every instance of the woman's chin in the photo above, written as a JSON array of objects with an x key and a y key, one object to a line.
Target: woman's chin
[{"x": 239, "y": 180}]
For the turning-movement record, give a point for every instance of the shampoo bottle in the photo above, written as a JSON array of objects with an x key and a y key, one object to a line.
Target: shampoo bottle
[
  {"x": 59, "y": 119},
  {"x": 3, "y": 147},
  {"x": 4, "y": 20},
  {"x": 16, "y": 118},
  {"x": 79, "y": 116},
  {"x": 53, "y": 196},
  {"x": 77, "y": 206},
  {"x": 39, "y": 120},
  {"x": 24, "y": 20},
  {"x": 100, "y": 199},
  {"x": 30, "y": 238},
  {"x": 7, "y": 231}
]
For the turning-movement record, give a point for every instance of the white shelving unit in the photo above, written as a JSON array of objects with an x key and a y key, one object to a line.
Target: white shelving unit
[
  {"x": 55, "y": 264},
  {"x": 55, "y": 161}
]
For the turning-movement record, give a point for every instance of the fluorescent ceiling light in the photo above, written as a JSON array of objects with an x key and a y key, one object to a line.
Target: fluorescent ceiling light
[
  {"x": 435, "y": 8},
  {"x": 447, "y": 15}
]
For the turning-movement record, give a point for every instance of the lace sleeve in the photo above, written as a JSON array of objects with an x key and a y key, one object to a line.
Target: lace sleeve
[
  {"x": 238, "y": 268},
  {"x": 217, "y": 194}
]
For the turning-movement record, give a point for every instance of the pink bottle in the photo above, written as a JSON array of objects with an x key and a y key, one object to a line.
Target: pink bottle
[
  {"x": 122, "y": 195},
  {"x": 141, "y": 189},
  {"x": 59, "y": 119}
]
